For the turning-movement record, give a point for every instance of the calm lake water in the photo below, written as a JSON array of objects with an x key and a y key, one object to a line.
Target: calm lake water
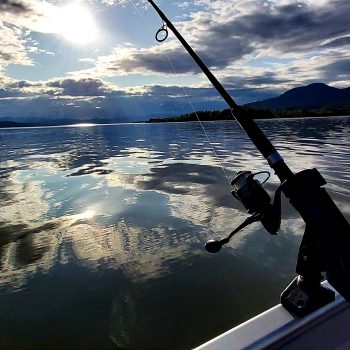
[{"x": 102, "y": 231}]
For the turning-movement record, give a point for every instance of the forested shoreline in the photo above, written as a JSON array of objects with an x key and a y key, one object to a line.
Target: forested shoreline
[{"x": 255, "y": 113}]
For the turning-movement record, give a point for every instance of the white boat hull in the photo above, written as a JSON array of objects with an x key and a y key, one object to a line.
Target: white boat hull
[{"x": 325, "y": 329}]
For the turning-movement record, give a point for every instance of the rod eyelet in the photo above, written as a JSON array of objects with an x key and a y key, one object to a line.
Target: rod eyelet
[{"x": 162, "y": 34}]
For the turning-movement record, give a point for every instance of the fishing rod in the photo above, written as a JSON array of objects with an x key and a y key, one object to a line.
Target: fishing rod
[
  {"x": 259, "y": 139},
  {"x": 325, "y": 245}
]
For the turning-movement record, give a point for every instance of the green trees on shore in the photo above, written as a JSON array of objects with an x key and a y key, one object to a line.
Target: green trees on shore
[{"x": 255, "y": 113}]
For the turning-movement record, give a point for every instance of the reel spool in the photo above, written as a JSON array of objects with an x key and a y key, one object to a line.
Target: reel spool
[{"x": 250, "y": 192}]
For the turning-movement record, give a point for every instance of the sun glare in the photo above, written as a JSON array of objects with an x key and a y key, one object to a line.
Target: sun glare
[
  {"x": 75, "y": 22},
  {"x": 88, "y": 214},
  {"x": 83, "y": 125}
]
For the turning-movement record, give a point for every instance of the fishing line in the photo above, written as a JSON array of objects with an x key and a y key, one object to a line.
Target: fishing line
[
  {"x": 202, "y": 126},
  {"x": 188, "y": 98}
]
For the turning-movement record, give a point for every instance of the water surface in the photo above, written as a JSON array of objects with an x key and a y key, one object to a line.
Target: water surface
[{"x": 102, "y": 230}]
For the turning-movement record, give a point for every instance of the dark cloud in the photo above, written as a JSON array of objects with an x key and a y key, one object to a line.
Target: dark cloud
[
  {"x": 22, "y": 84},
  {"x": 5, "y": 56},
  {"x": 150, "y": 60},
  {"x": 4, "y": 93},
  {"x": 79, "y": 87},
  {"x": 288, "y": 28},
  {"x": 338, "y": 70},
  {"x": 83, "y": 87},
  {"x": 170, "y": 60},
  {"x": 267, "y": 78},
  {"x": 220, "y": 48},
  {"x": 13, "y": 6},
  {"x": 246, "y": 95},
  {"x": 19, "y": 89},
  {"x": 291, "y": 28}
]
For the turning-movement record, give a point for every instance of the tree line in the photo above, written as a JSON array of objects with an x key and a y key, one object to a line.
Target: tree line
[{"x": 255, "y": 113}]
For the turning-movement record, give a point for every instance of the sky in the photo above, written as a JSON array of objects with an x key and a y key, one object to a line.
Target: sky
[{"x": 99, "y": 59}]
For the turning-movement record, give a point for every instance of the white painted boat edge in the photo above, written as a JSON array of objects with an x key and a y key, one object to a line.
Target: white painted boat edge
[{"x": 268, "y": 327}]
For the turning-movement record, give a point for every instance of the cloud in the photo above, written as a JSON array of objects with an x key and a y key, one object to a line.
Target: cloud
[
  {"x": 336, "y": 70},
  {"x": 227, "y": 35},
  {"x": 86, "y": 98},
  {"x": 4, "y": 93},
  {"x": 13, "y": 6},
  {"x": 115, "y": 2},
  {"x": 80, "y": 87},
  {"x": 337, "y": 42},
  {"x": 24, "y": 14},
  {"x": 93, "y": 98},
  {"x": 63, "y": 87},
  {"x": 262, "y": 79},
  {"x": 20, "y": 89},
  {"x": 15, "y": 18},
  {"x": 258, "y": 50},
  {"x": 279, "y": 26},
  {"x": 12, "y": 49},
  {"x": 126, "y": 60},
  {"x": 291, "y": 28},
  {"x": 18, "y": 20},
  {"x": 20, "y": 84}
]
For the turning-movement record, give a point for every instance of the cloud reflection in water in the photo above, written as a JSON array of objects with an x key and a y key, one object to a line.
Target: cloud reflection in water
[
  {"x": 119, "y": 181},
  {"x": 139, "y": 201}
]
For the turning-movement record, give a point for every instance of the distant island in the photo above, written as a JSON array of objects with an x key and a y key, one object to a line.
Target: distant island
[
  {"x": 314, "y": 100},
  {"x": 10, "y": 124},
  {"x": 56, "y": 122}
]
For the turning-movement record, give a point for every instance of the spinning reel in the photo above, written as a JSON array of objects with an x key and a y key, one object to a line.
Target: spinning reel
[{"x": 250, "y": 192}]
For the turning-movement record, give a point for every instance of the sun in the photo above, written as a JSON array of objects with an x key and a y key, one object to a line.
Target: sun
[{"x": 75, "y": 23}]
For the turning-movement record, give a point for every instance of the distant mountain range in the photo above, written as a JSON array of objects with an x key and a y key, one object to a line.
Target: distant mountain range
[
  {"x": 313, "y": 96},
  {"x": 307, "y": 101},
  {"x": 314, "y": 100}
]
